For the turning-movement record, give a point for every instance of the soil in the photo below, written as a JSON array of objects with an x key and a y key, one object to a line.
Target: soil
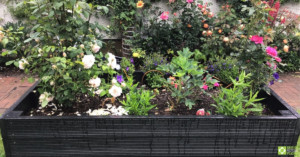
[
  {"x": 10, "y": 71},
  {"x": 163, "y": 103}
]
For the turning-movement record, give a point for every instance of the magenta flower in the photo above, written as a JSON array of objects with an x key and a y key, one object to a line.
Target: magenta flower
[
  {"x": 216, "y": 84},
  {"x": 205, "y": 87},
  {"x": 269, "y": 64},
  {"x": 278, "y": 59},
  {"x": 189, "y": 1},
  {"x": 257, "y": 39},
  {"x": 271, "y": 51},
  {"x": 200, "y": 112},
  {"x": 164, "y": 15}
]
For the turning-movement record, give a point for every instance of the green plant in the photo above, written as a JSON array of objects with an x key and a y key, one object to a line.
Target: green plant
[
  {"x": 137, "y": 100},
  {"x": 155, "y": 80},
  {"x": 187, "y": 77},
  {"x": 224, "y": 69},
  {"x": 2, "y": 152},
  {"x": 233, "y": 102},
  {"x": 127, "y": 67},
  {"x": 152, "y": 61}
]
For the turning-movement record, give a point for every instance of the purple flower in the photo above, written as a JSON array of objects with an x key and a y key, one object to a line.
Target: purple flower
[
  {"x": 155, "y": 64},
  {"x": 120, "y": 78},
  {"x": 237, "y": 79},
  {"x": 161, "y": 61},
  {"x": 131, "y": 60},
  {"x": 271, "y": 82},
  {"x": 276, "y": 76},
  {"x": 127, "y": 68}
]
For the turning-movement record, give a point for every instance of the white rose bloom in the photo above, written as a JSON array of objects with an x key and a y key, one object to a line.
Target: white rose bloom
[
  {"x": 98, "y": 92},
  {"x": 115, "y": 91},
  {"x": 22, "y": 64},
  {"x": 82, "y": 46},
  {"x": 95, "y": 48},
  {"x": 52, "y": 83},
  {"x": 88, "y": 61},
  {"x": 112, "y": 62},
  {"x": 95, "y": 82},
  {"x": 42, "y": 97},
  {"x": 113, "y": 81}
]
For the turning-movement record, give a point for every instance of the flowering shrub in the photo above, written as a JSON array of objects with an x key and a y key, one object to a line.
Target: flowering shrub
[
  {"x": 187, "y": 77},
  {"x": 175, "y": 29}
]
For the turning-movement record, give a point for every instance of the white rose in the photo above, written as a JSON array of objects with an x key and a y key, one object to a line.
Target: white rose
[
  {"x": 42, "y": 97},
  {"x": 52, "y": 83},
  {"x": 95, "y": 82},
  {"x": 112, "y": 61},
  {"x": 22, "y": 64},
  {"x": 95, "y": 48},
  {"x": 115, "y": 91},
  {"x": 82, "y": 46},
  {"x": 123, "y": 84},
  {"x": 88, "y": 61},
  {"x": 113, "y": 81},
  {"x": 99, "y": 91}
]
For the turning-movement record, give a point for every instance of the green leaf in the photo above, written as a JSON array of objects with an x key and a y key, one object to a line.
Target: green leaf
[
  {"x": 9, "y": 62},
  {"x": 31, "y": 79}
]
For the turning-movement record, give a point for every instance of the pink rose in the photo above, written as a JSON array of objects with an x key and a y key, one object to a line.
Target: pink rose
[
  {"x": 200, "y": 6},
  {"x": 205, "y": 87},
  {"x": 271, "y": 51},
  {"x": 200, "y": 112},
  {"x": 164, "y": 15},
  {"x": 257, "y": 39},
  {"x": 269, "y": 64},
  {"x": 216, "y": 84},
  {"x": 189, "y": 1},
  {"x": 171, "y": 1},
  {"x": 176, "y": 85},
  {"x": 278, "y": 59}
]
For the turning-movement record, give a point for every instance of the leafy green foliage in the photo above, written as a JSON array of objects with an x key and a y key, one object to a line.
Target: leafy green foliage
[
  {"x": 224, "y": 69},
  {"x": 138, "y": 100},
  {"x": 155, "y": 80},
  {"x": 233, "y": 102},
  {"x": 189, "y": 77},
  {"x": 127, "y": 66}
]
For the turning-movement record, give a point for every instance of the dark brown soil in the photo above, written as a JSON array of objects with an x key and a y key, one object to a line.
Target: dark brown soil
[
  {"x": 163, "y": 101},
  {"x": 10, "y": 71}
]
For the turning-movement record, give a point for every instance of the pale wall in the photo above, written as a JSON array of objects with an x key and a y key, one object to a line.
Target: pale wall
[{"x": 5, "y": 15}]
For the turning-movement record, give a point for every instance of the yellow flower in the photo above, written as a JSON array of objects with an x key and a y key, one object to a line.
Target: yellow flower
[
  {"x": 137, "y": 55},
  {"x": 140, "y": 4},
  {"x": 298, "y": 34}
]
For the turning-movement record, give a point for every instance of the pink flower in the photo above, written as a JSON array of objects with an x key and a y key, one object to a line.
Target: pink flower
[
  {"x": 271, "y": 51},
  {"x": 278, "y": 59},
  {"x": 275, "y": 67},
  {"x": 200, "y": 6},
  {"x": 208, "y": 113},
  {"x": 282, "y": 20},
  {"x": 189, "y": 1},
  {"x": 175, "y": 14},
  {"x": 200, "y": 112},
  {"x": 269, "y": 64},
  {"x": 205, "y": 87},
  {"x": 216, "y": 84},
  {"x": 171, "y": 1},
  {"x": 257, "y": 39},
  {"x": 164, "y": 15},
  {"x": 176, "y": 85}
]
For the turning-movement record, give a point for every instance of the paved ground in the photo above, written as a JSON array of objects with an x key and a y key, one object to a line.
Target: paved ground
[
  {"x": 11, "y": 88},
  {"x": 289, "y": 89}
]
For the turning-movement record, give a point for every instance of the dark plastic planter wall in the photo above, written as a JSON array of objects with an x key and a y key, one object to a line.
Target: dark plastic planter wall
[{"x": 145, "y": 136}]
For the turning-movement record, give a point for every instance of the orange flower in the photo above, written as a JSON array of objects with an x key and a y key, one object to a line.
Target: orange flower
[
  {"x": 140, "y": 4},
  {"x": 205, "y": 25},
  {"x": 189, "y": 25},
  {"x": 172, "y": 78}
]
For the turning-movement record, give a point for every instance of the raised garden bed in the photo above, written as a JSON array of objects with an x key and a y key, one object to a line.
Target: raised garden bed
[{"x": 214, "y": 135}]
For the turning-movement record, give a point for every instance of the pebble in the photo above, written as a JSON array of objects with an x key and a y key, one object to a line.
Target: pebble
[
  {"x": 156, "y": 113},
  {"x": 40, "y": 108},
  {"x": 163, "y": 90},
  {"x": 60, "y": 114}
]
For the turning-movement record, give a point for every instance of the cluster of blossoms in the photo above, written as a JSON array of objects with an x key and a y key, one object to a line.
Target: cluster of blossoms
[
  {"x": 112, "y": 62},
  {"x": 45, "y": 97},
  {"x": 110, "y": 110},
  {"x": 23, "y": 63},
  {"x": 205, "y": 87}
]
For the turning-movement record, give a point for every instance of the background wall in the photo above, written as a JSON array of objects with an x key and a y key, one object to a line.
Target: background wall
[{"x": 5, "y": 15}]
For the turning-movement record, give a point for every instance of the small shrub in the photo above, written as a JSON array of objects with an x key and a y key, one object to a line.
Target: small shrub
[{"x": 233, "y": 102}]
